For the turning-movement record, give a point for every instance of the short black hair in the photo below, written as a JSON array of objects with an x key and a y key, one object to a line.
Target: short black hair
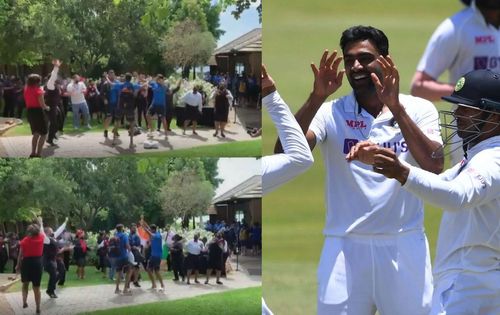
[
  {"x": 153, "y": 227},
  {"x": 128, "y": 77},
  {"x": 33, "y": 80},
  {"x": 360, "y": 33},
  {"x": 119, "y": 227}
]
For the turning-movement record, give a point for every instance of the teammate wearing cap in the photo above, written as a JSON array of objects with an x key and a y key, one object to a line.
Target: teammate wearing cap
[
  {"x": 467, "y": 268},
  {"x": 375, "y": 255},
  {"x": 464, "y": 42}
]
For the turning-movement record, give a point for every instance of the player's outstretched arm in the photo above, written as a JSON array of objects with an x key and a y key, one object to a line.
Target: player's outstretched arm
[
  {"x": 327, "y": 80},
  {"x": 297, "y": 157}
]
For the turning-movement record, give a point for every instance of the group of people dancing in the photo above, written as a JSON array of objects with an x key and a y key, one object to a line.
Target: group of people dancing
[
  {"x": 118, "y": 100},
  {"x": 120, "y": 256}
]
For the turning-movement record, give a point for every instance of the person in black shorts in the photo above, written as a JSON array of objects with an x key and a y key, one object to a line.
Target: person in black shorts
[
  {"x": 37, "y": 118},
  {"x": 30, "y": 262},
  {"x": 215, "y": 257},
  {"x": 80, "y": 253},
  {"x": 122, "y": 264}
]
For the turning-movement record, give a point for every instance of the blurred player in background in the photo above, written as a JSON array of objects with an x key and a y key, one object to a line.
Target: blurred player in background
[{"x": 468, "y": 40}]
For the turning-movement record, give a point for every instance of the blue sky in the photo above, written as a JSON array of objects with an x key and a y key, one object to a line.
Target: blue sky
[{"x": 235, "y": 28}]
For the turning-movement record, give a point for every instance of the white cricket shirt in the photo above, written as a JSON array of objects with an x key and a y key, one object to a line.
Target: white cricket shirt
[
  {"x": 469, "y": 193},
  {"x": 462, "y": 43},
  {"x": 297, "y": 157},
  {"x": 358, "y": 199}
]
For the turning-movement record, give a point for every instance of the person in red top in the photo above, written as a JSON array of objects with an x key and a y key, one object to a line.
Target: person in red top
[
  {"x": 35, "y": 105},
  {"x": 30, "y": 262}
]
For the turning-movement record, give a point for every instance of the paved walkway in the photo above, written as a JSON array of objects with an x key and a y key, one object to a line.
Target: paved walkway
[
  {"x": 86, "y": 299},
  {"x": 93, "y": 144}
]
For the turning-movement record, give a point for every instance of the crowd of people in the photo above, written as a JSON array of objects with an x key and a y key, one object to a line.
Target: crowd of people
[
  {"x": 242, "y": 238},
  {"x": 244, "y": 87},
  {"x": 120, "y": 255},
  {"x": 132, "y": 100}
]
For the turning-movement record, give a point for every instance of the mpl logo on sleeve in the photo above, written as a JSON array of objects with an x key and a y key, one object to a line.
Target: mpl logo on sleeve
[{"x": 348, "y": 144}]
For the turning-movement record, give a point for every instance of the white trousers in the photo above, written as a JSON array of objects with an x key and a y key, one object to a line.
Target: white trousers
[
  {"x": 359, "y": 274},
  {"x": 467, "y": 293}
]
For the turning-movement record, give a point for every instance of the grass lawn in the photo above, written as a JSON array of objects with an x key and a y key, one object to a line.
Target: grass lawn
[
  {"x": 251, "y": 148},
  {"x": 242, "y": 302},
  {"x": 231, "y": 149},
  {"x": 92, "y": 277},
  {"x": 295, "y": 34}
]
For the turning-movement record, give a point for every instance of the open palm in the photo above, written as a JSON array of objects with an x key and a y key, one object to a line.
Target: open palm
[{"x": 327, "y": 78}]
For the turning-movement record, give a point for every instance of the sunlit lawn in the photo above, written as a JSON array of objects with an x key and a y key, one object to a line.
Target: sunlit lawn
[{"x": 295, "y": 34}]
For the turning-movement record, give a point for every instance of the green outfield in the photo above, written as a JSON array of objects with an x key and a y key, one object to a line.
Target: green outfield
[{"x": 295, "y": 33}]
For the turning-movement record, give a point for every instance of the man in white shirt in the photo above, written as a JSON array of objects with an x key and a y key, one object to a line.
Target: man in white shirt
[
  {"x": 467, "y": 266},
  {"x": 194, "y": 108},
  {"x": 468, "y": 40},
  {"x": 76, "y": 90},
  {"x": 375, "y": 255}
]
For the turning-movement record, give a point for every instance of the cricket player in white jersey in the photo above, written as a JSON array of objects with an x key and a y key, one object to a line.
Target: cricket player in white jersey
[
  {"x": 468, "y": 40},
  {"x": 467, "y": 266},
  {"x": 375, "y": 255},
  {"x": 277, "y": 169}
]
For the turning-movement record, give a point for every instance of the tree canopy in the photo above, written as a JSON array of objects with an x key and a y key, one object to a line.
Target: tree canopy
[
  {"x": 99, "y": 193},
  {"x": 92, "y": 35}
]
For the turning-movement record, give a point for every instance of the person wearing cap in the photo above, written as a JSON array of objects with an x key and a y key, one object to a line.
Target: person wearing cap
[
  {"x": 466, "y": 41},
  {"x": 466, "y": 267}
]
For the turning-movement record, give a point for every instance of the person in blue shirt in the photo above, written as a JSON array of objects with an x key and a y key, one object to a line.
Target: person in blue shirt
[
  {"x": 122, "y": 264},
  {"x": 112, "y": 92},
  {"x": 126, "y": 106},
  {"x": 156, "y": 254},
  {"x": 159, "y": 104}
]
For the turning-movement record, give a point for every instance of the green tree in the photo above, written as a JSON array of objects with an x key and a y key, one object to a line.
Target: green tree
[
  {"x": 186, "y": 45},
  {"x": 185, "y": 195}
]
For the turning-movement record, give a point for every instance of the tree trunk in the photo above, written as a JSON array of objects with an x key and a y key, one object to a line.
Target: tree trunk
[
  {"x": 185, "y": 222},
  {"x": 194, "y": 223},
  {"x": 185, "y": 72},
  {"x": 194, "y": 72}
]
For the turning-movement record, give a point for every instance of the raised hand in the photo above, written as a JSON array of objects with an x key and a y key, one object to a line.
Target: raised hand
[
  {"x": 387, "y": 86},
  {"x": 327, "y": 78},
  {"x": 363, "y": 151},
  {"x": 57, "y": 62},
  {"x": 267, "y": 83}
]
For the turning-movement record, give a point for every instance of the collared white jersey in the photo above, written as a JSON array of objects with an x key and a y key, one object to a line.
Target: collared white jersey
[
  {"x": 277, "y": 169},
  {"x": 469, "y": 193},
  {"x": 358, "y": 199},
  {"x": 460, "y": 44}
]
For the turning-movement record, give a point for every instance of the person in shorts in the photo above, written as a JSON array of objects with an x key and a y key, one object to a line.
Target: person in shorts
[
  {"x": 122, "y": 265},
  {"x": 37, "y": 118},
  {"x": 155, "y": 258}
]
